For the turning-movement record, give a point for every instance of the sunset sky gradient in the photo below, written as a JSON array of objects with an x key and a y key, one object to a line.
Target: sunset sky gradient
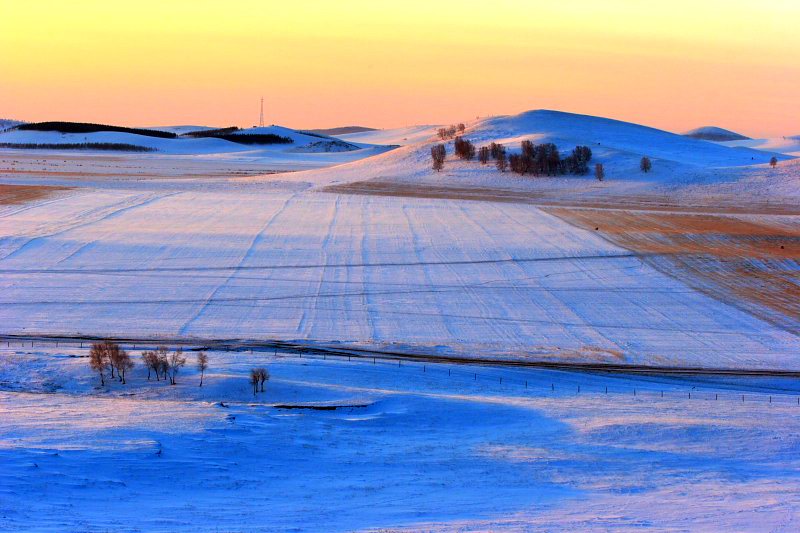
[{"x": 673, "y": 65}]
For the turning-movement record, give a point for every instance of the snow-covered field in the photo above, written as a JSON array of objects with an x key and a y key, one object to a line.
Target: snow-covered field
[
  {"x": 450, "y": 276},
  {"x": 430, "y": 449},
  {"x": 196, "y": 245}
]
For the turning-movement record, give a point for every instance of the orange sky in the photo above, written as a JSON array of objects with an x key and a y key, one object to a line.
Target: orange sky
[{"x": 674, "y": 65}]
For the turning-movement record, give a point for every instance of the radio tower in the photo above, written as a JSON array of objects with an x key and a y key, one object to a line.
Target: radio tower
[{"x": 261, "y": 116}]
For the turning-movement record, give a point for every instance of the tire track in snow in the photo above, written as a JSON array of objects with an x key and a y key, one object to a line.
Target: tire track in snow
[
  {"x": 304, "y": 320},
  {"x": 447, "y": 324},
  {"x": 103, "y": 212},
  {"x": 248, "y": 253},
  {"x": 91, "y": 243}
]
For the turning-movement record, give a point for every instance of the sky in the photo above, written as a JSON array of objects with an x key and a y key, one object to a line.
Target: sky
[{"x": 673, "y": 65}]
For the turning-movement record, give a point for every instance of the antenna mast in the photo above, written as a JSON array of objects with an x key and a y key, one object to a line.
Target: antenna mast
[{"x": 261, "y": 116}]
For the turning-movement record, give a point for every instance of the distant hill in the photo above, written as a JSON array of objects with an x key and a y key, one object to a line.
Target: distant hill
[
  {"x": 343, "y": 130},
  {"x": 6, "y": 123},
  {"x": 88, "y": 127},
  {"x": 713, "y": 133}
]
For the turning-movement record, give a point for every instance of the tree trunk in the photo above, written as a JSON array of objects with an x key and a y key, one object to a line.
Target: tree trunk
[
  {"x": 201, "y": 378},
  {"x": 102, "y": 380}
]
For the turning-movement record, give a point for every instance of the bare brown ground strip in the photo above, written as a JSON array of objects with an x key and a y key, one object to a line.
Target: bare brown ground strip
[
  {"x": 20, "y": 194},
  {"x": 754, "y": 265},
  {"x": 722, "y": 205}
]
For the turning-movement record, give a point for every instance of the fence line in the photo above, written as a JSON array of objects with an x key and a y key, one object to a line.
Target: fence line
[{"x": 476, "y": 377}]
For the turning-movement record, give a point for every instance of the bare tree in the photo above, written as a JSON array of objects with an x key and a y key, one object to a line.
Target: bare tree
[
  {"x": 98, "y": 360},
  {"x": 773, "y": 162},
  {"x": 176, "y": 361},
  {"x": 202, "y": 365},
  {"x": 645, "y": 164},
  {"x": 124, "y": 363},
  {"x": 495, "y": 149},
  {"x": 255, "y": 378},
  {"x": 263, "y": 377},
  {"x": 483, "y": 155},
  {"x": 118, "y": 359},
  {"x": 438, "y": 153},
  {"x": 461, "y": 127},
  {"x": 150, "y": 360},
  {"x": 162, "y": 355},
  {"x": 599, "y": 171},
  {"x": 502, "y": 162}
]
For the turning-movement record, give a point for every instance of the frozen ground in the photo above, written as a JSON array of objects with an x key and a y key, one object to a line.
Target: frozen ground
[
  {"x": 430, "y": 449},
  {"x": 197, "y": 246},
  {"x": 449, "y": 276}
]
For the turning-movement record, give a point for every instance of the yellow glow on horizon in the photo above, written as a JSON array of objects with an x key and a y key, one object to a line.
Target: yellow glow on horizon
[{"x": 675, "y": 65}]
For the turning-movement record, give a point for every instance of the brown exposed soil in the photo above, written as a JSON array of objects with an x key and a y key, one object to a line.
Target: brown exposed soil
[
  {"x": 20, "y": 194},
  {"x": 556, "y": 198},
  {"x": 754, "y": 265}
]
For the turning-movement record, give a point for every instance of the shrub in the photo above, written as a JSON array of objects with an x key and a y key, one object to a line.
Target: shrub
[{"x": 645, "y": 164}]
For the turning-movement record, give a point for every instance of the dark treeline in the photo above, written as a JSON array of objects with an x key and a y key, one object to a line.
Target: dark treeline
[
  {"x": 535, "y": 159},
  {"x": 116, "y": 147},
  {"x": 229, "y": 134},
  {"x": 86, "y": 127},
  {"x": 211, "y": 133},
  {"x": 545, "y": 159},
  {"x": 255, "y": 138}
]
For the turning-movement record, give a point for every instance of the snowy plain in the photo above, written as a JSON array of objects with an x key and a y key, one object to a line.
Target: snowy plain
[
  {"x": 199, "y": 245},
  {"x": 419, "y": 449}
]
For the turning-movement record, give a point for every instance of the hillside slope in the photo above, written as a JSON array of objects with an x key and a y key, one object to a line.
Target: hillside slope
[{"x": 714, "y": 133}]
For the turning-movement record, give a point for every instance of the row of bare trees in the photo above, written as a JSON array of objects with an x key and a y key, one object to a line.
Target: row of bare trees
[
  {"x": 450, "y": 131},
  {"x": 536, "y": 159},
  {"x": 167, "y": 364},
  {"x": 109, "y": 357},
  {"x": 258, "y": 376}
]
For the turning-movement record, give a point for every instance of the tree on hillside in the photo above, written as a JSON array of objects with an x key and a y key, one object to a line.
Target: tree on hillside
[
  {"x": 202, "y": 365},
  {"x": 461, "y": 127},
  {"x": 645, "y": 164},
  {"x": 176, "y": 361},
  {"x": 98, "y": 360},
  {"x": 773, "y": 161},
  {"x": 502, "y": 162},
  {"x": 515, "y": 164},
  {"x": 483, "y": 155},
  {"x": 446, "y": 133},
  {"x": 463, "y": 148},
  {"x": 495, "y": 149},
  {"x": 599, "y": 171},
  {"x": 438, "y": 154}
]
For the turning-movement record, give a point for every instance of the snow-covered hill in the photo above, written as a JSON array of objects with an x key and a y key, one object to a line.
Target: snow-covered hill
[
  {"x": 6, "y": 123},
  {"x": 714, "y": 133},
  {"x": 786, "y": 145},
  {"x": 618, "y": 145},
  {"x": 305, "y": 151}
]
